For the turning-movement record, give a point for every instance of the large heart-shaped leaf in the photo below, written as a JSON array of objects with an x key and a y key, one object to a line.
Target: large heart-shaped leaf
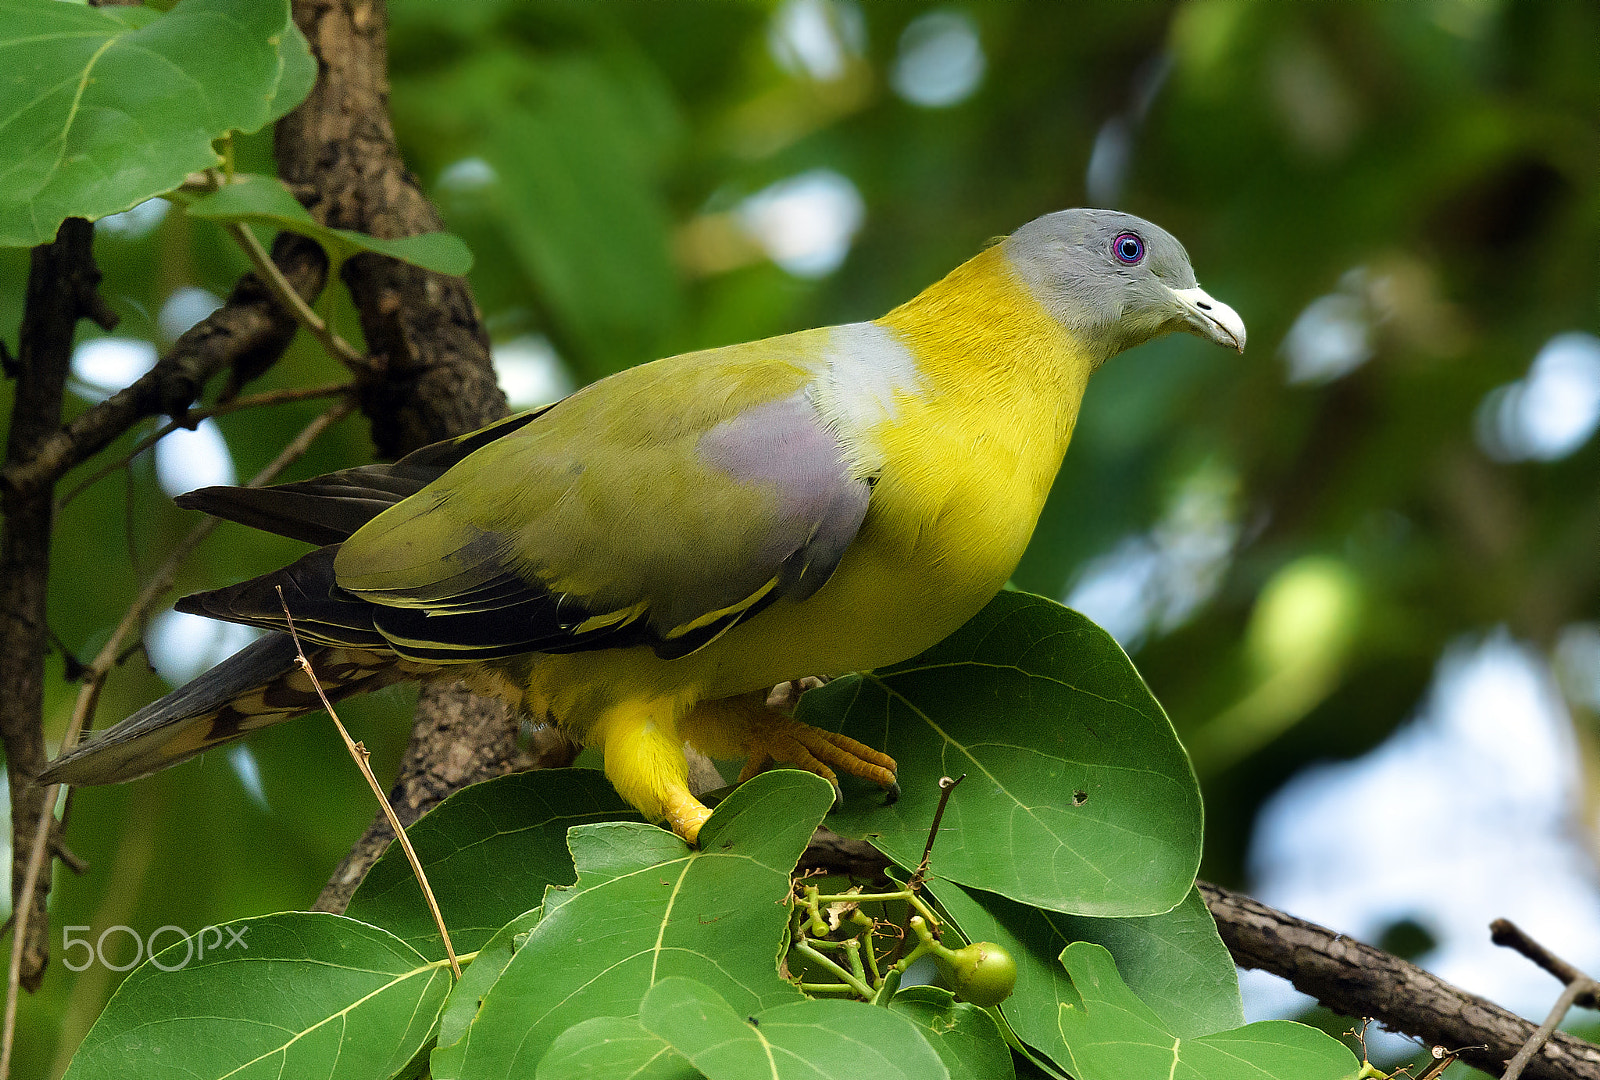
[
  {"x": 965, "y": 1037},
  {"x": 296, "y": 994},
  {"x": 103, "y": 108},
  {"x": 1078, "y": 796},
  {"x": 647, "y": 906},
  {"x": 613, "y": 1047}
]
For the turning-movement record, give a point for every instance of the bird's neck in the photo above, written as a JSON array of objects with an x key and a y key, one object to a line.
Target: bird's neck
[{"x": 1002, "y": 365}]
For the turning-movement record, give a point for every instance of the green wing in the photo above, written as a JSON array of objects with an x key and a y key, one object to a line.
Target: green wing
[{"x": 659, "y": 507}]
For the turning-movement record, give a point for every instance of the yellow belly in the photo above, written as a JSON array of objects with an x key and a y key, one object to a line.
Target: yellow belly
[{"x": 896, "y": 592}]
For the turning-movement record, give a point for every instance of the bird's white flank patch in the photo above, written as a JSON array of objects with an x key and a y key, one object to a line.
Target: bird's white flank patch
[{"x": 867, "y": 370}]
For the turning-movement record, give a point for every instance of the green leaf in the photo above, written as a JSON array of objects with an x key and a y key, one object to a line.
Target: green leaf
[
  {"x": 1175, "y": 962},
  {"x": 489, "y": 851},
  {"x": 1111, "y": 1035},
  {"x": 102, "y": 111},
  {"x": 301, "y": 994},
  {"x": 647, "y": 906},
  {"x": 263, "y": 200},
  {"x": 1078, "y": 796},
  {"x": 613, "y": 1048},
  {"x": 467, "y": 994},
  {"x": 966, "y": 1038},
  {"x": 805, "y": 1040}
]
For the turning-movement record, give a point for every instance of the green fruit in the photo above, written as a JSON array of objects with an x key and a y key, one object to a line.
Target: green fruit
[{"x": 982, "y": 973}]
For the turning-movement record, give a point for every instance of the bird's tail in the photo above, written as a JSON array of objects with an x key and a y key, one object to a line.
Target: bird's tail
[{"x": 256, "y": 687}]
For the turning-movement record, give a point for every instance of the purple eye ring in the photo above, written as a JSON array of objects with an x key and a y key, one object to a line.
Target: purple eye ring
[{"x": 1128, "y": 248}]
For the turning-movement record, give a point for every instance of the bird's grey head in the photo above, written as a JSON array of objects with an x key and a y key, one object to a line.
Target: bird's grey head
[{"x": 1116, "y": 281}]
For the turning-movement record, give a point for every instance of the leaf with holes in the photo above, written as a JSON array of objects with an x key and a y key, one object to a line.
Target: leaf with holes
[
  {"x": 1078, "y": 796},
  {"x": 104, "y": 108}
]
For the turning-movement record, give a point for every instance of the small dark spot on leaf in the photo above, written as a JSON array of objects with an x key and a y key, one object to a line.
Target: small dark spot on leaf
[
  {"x": 1079, "y": 798},
  {"x": 753, "y": 1021}
]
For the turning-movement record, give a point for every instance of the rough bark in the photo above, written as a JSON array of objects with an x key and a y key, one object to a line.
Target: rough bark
[
  {"x": 1359, "y": 980},
  {"x": 430, "y": 377}
]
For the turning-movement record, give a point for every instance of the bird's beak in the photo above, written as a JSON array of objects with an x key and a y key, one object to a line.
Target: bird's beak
[{"x": 1211, "y": 319}]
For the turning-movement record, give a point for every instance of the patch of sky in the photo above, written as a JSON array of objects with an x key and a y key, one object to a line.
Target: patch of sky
[
  {"x": 1114, "y": 143},
  {"x": 939, "y": 61},
  {"x": 188, "y": 459},
  {"x": 136, "y": 223},
  {"x": 101, "y": 366},
  {"x": 243, "y": 763},
  {"x": 468, "y": 174},
  {"x": 183, "y": 309},
  {"x": 1152, "y": 582},
  {"x": 816, "y": 39},
  {"x": 1550, "y": 412},
  {"x": 1467, "y": 813},
  {"x": 1332, "y": 336},
  {"x": 181, "y": 646},
  {"x": 805, "y": 223},
  {"x": 530, "y": 372}
]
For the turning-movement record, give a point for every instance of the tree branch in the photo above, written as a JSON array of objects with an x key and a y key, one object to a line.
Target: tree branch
[
  {"x": 247, "y": 334},
  {"x": 62, "y": 281},
  {"x": 429, "y": 376},
  {"x": 1358, "y": 980},
  {"x": 1348, "y": 977}
]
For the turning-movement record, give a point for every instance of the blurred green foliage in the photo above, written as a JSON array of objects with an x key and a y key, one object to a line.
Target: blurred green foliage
[{"x": 1436, "y": 165}]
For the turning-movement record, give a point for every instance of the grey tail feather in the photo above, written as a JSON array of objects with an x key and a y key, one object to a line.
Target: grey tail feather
[{"x": 258, "y": 686}]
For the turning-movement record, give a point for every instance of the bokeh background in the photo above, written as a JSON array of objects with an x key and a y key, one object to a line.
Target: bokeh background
[{"x": 1358, "y": 564}]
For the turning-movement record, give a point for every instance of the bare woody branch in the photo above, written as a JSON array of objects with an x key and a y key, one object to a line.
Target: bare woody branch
[
  {"x": 1359, "y": 980},
  {"x": 28, "y": 912},
  {"x": 62, "y": 283},
  {"x": 429, "y": 375},
  {"x": 246, "y": 335}
]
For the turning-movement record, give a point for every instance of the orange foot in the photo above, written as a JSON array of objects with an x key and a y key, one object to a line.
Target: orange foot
[{"x": 749, "y": 725}]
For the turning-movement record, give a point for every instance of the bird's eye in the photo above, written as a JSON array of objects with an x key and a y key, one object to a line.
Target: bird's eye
[{"x": 1128, "y": 248}]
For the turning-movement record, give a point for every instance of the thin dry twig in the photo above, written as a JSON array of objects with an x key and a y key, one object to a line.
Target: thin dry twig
[
  {"x": 946, "y": 786},
  {"x": 89, "y": 697},
  {"x": 360, "y": 756},
  {"x": 41, "y": 843},
  {"x": 1571, "y": 993},
  {"x": 1580, "y": 989},
  {"x": 195, "y": 416},
  {"x": 269, "y": 273},
  {"x": 1509, "y": 935},
  {"x": 279, "y": 285}
]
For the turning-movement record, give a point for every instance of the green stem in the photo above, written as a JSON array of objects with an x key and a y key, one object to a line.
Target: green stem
[{"x": 804, "y": 948}]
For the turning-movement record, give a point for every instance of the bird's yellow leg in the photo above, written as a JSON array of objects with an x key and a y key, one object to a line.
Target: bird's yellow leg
[
  {"x": 746, "y": 725},
  {"x": 645, "y": 763}
]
